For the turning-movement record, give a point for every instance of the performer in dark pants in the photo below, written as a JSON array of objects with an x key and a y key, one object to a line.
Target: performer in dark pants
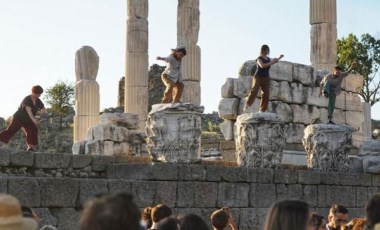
[
  {"x": 261, "y": 80},
  {"x": 331, "y": 87},
  {"x": 24, "y": 118}
]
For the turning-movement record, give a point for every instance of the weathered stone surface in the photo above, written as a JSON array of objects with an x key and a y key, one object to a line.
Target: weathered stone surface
[
  {"x": 353, "y": 83},
  {"x": 233, "y": 195},
  {"x": 192, "y": 172},
  {"x": 340, "y": 102},
  {"x": 94, "y": 147},
  {"x": 80, "y": 161},
  {"x": 344, "y": 195},
  {"x": 192, "y": 92},
  {"x": 283, "y": 110},
  {"x": 89, "y": 188},
  {"x": 310, "y": 195},
  {"x": 204, "y": 194},
  {"x": 25, "y": 159},
  {"x": 58, "y": 192},
  {"x": 282, "y": 71},
  {"x": 281, "y": 192},
  {"x": 308, "y": 177},
  {"x": 164, "y": 171},
  {"x": 285, "y": 176},
  {"x": 313, "y": 98},
  {"x": 227, "y": 129},
  {"x": 173, "y": 132},
  {"x": 327, "y": 147},
  {"x": 129, "y": 171},
  {"x": 354, "y": 119},
  {"x": 242, "y": 86},
  {"x": 185, "y": 194},
  {"x": 100, "y": 163},
  {"x": 285, "y": 92},
  {"x": 303, "y": 74},
  {"x": 294, "y": 132},
  {"x": 248, "y": 68},
  {"x": 228, "y": 88},
  {"x": 52, "y": 161},
  {"x": 5, "y": 157},
  {"x": 67, "y": 218},
  {"x": 228, "y": 108},
  {"x": 356, "y": 164},
  {"x": 115, "y": 186},
  {"x": 144, "y": 192},
  {"x": 353, "y": 102},
  {"x": 370, "y": 153},
  {"x": 305, "y": 114},
  {"x": 45, "y": 216},
  {"x": 3, "y": 185},
  {"x": 252, "y": 218},
  {"x": 262, "y": 195},
  {"x": 299, "y": 93},
  {"x": 109, "y": 133},
  {"x": 79, "y": 147},
  {"x": 26, "y": 190},
  {"x": 323, "y": 40},
  {"x": 166, "y": 193},
  {"x": 259, "y": 139},
  {"x": 295, "y": 191},
  {"x": 254, "y": 107},
  {"x": 86, "y": 63}
]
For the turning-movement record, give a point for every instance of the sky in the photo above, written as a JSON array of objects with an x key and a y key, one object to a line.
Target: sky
[{"x": 39, "y": 39}]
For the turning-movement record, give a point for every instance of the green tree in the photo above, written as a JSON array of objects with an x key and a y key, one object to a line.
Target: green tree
[
  {"x": 366, "y": 53},
  {"x": 60, "y": 97}
]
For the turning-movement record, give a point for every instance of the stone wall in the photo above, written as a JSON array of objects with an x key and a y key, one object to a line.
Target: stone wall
[
  {"x": 187, "y": 188},
  {"x": 294, "y": 95}
]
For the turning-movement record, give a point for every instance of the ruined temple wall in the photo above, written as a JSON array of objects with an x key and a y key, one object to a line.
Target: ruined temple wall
[
  {"x": 51, "y": 184},
  {"x": 294, "y": 95}
]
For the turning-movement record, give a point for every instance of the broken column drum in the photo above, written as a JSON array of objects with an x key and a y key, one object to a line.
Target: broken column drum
[
  {"x": 173, "y": 132},
  {"x": 260, "y": 140}
]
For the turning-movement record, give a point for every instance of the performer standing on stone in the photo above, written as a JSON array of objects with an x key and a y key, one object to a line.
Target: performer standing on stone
[
  {"x": 261, "y": 79},
  {"x": 24, "y": 118},
  {"x": 330, "y": 87},
  {"x": 171, "y": 77}
]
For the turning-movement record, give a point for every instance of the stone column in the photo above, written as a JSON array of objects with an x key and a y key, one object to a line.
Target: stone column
[
  {"x": 87, "y": 98},
  {"x": 174, "y": 132},
  {"x": 366, "y": 125},
  {"x": 136, "y": 65},
  {"x": 187, "y": 35},
  {"x": 327, "y": 147},
  {"x": 260, "y": 140},
  {"x": 323, "y": 34}
]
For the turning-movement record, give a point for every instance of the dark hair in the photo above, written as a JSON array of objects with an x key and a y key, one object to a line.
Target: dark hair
[
  {"x": 37, "y": 89},
  {"x": 338, "y": 68},
  {"x": 219, "y": 219},
  {"x": 160, "y": 212},
  {"x": 288, "y": 215},
  {"x": 192, "y": 222},
  {"x": 316, "y": 220},
  {"x": 372, "y": 210},
  {"x": 115, "y": 211},
  {"x": 264, "y": 48},
  {"x": 146, "y": 216},
  {"x": 168, "y": 223},
  {"x": 27, "y": 212},
  {"x": 181, "y": 49},
  {"x": 337, "y": 208}
]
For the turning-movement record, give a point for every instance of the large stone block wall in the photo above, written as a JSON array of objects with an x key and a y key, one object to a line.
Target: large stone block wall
[
  {"x": 187, "y": 188},
  {"x": 294, "y": 95}
]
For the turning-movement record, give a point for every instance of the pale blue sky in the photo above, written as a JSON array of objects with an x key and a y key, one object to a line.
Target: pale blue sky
[{"x": 39, "y": 39}]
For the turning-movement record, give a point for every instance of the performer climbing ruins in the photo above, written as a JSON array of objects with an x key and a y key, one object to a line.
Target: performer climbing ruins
[
  {"x": 330, "y": 87},
  {"x": 261, "y": 79},
  {"x": 171, "y": 77},
  {"x": 25, "y": 118}
]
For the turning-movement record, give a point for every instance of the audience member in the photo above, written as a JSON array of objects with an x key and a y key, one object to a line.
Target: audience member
[
  {"x": 338, "y": 216},
  {"x": 220, "y": 219},
  {"x": 146, "y": 216},
  {"x": 115, "y": 211},
  {"x": 192, "y": 222},
  {"x": 318, "y": 222},
  {"x": 355, "y": 224},
  {"x": 11, "y": 215},
  {"x": 159, "y": 212},
  {"x": 168, "y": 223},
  {"x": 288, "y": 215},
  {"x": 372, "y": 211}
]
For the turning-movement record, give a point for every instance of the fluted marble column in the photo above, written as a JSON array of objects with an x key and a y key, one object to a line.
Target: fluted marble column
[
  {"x": 136, "y": 64},
  {"x": 323, "y": 34},
  {"x": 87, "y": 98},
  {"x": 187, "y": 35}
]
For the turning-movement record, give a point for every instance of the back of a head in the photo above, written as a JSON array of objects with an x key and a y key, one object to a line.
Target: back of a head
[
  {"x": 160, "y": 212},
  {"x": 288, "y": 215},
  {"x": 115, "y": 211},
  {"x": 168, "y": 223},
  {"x": 337, "y": 208},
  {"x": 372, "y": 210},
  {"x": 219, "y": 219},
  {"x": 192, "y": 222}
]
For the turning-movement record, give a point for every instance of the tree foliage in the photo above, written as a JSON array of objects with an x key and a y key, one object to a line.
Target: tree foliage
[
  {"x": 60, "y": 98},
  {"x": 366, "y": 53}
]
